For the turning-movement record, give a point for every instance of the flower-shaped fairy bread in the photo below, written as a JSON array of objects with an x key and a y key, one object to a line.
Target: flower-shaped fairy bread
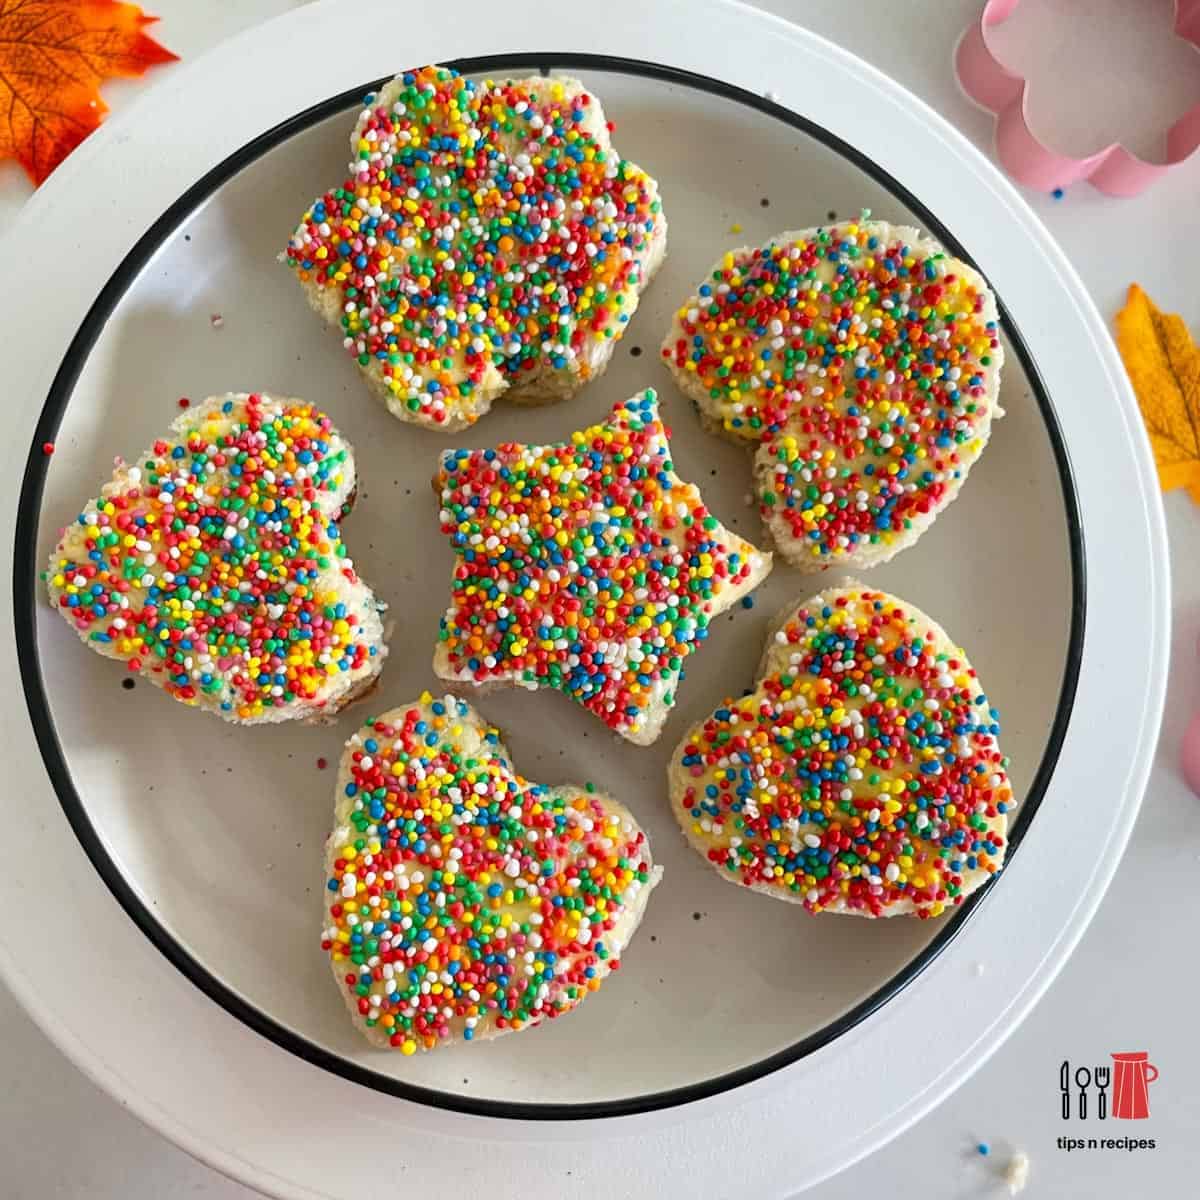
[
  {"x": 863, "y": 363},
  {"x": 862, "y": 775},
  {"x": 488, "y": 240},
  {"x": 588, "y": 566},
  {"x": 213, "y": 566},
  {"x": 465, "y": 902}
]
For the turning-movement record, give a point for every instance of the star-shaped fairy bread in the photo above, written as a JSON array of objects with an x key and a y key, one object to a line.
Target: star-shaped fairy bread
[
  {"x": 213, "y": 565},
  {"x": 862, "y": 775},
  {"x": 588, "y": 566},
  {"x": 489, "y": 240},
  {"x": 863, "y": 362}
]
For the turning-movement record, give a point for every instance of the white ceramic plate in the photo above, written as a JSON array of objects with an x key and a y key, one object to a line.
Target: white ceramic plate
[{"x": 210, "y": 837}]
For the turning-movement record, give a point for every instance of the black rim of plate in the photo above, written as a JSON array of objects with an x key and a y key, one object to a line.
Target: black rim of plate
[{"x": 25, "y": 590}]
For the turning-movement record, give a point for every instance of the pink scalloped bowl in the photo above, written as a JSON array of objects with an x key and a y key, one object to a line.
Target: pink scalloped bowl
[{"x": 1114, "y": 170}]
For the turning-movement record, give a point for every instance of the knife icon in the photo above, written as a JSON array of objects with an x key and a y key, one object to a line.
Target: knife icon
[{"x": 1064, "y": 1082}]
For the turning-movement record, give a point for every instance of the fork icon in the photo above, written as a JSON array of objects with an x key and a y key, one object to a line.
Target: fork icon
[{"x": 1101, "y": 1080}]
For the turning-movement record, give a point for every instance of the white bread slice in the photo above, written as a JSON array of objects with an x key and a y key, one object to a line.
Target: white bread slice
[
  {"x": 157, "y": 577},
  {"x": 743, "y": 844},
  {"x": 576, "y": 345},
  {"x": 505, "y": 832},
  {"x": 759, "y": 406},
  {"x": 659, "y": 507}
]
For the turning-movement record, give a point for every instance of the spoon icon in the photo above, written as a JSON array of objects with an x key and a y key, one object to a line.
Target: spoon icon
[{"x": 1083, "y": 1079}]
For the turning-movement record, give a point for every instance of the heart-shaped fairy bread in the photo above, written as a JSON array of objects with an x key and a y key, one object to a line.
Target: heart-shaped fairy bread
[
  {"x": 864, "y": 364},
  {"x": 466, "y": 902},
  {"x": 587, "y": 566},
  {"x": 862, "y": 775},
  {"x": 489, "y": 239},
  {"x": 213, "y": 565}
]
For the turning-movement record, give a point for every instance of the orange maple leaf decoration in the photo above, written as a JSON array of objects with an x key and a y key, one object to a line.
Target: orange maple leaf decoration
[
  {"x": 1163, "y": 363},
  {"x": 54, "y": 54}
]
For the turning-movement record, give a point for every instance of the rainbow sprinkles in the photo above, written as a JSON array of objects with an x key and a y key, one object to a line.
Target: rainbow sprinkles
[
  {"x": 863, "y": 362},
  {"x": 465, "y": 902},
  {"x": 586, "y": 566},
  {"x": 488, "y": 240},
  {"x": 863, "y": 775},
  {"x": 214, "y": 565}
]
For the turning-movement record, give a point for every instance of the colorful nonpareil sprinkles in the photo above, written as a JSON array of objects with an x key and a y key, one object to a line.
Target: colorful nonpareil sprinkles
[
  {"x": 215, "y": 566},
  {"x": 464, "y": 900},
  {"x": 862, "y": 775},
  {"x": 587, "y": 566},
  {"x": 489, "y": 236},
  {"x": 863, "y": 362}
]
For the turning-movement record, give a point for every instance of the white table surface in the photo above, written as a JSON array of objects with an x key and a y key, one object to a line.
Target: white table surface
[{"x": 1132, "y": 983}]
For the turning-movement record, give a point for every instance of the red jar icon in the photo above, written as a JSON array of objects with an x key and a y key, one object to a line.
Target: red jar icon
[{"x": 1132, "y": 1075}]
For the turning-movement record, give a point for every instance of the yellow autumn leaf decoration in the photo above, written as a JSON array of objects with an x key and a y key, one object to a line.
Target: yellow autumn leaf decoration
[{"x": 1163, "y": 363}]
